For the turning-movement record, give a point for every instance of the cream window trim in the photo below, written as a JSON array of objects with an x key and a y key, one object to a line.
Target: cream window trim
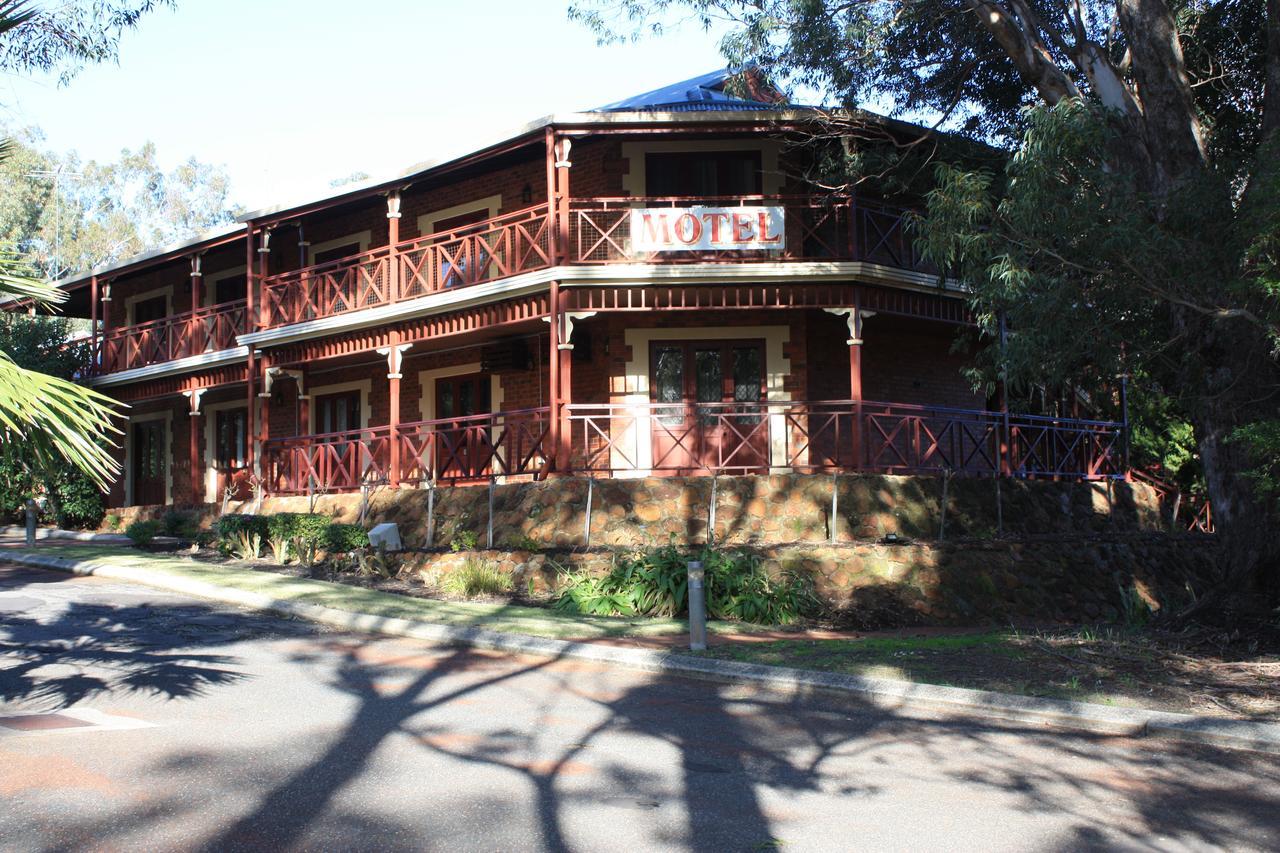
[
  {"x": 427, "y": 221},
  {"x": 210, "y": 283},
  {"x": 363, "y": 238},
  {"x": 131, "y": 301},
  {"x": 636, "y": 442},
  {"x": 634, "y": 152},
  {"x": 427, "y": 382},
  {"x": 364, "y": 386},
  {"x": 167, "y": 417}
]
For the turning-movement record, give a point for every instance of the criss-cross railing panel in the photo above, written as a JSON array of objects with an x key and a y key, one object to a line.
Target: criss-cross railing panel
[
  {"x": 501, "y": 444},
  {"x": 179, "y": 336},
  {"x": 330, "y": 462}
]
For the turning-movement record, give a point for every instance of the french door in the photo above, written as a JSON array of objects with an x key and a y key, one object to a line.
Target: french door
[
  {"x": 149, "y": 463},
  {"x": 231, "y": 453},
  {"x": 707, "y": 415},
  {"x": 464, "y": 448}
]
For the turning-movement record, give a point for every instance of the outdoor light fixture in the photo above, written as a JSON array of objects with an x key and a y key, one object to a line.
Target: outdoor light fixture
[{"x": 526, "y": 194}]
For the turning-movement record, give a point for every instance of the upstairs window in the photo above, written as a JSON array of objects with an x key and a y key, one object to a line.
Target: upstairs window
[
  {"x": 703, "y": 173},
  {"x": 231, "y": 288}
]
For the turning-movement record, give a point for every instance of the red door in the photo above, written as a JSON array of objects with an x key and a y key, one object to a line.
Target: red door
[
  {"x": 714, "y": 421},
  {"x": 463, "y": 448},
  {"x": 148, "y": 463}
]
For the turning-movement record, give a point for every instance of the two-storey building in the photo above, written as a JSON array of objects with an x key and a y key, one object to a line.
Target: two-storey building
[{"x": 643, "y": 288}]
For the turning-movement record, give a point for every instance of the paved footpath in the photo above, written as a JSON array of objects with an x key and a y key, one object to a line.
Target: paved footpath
[{"x": 137, "y": 719}]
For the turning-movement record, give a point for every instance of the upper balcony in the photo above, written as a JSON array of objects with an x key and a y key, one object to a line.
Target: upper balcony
[
  {"x": 192, "y": 333},
  {"x": 643, "y": 231},
  {"x": 599, "y": 231}
]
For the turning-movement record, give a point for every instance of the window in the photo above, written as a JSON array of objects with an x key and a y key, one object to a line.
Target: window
[
  {"x": 703, "y": 173},
  {"x": 463, "y": 396},
  {"x": 337, "y": 253},
  {"x": 147, "y": 310},
  {"x": 231, "y": 439},
  {"x": 230, "y": 288},
  {"x": 338, "y": 412}
]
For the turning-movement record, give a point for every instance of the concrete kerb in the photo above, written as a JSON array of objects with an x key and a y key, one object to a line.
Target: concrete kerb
[
  {"x": 68, "y": 535},
  {"x": 886, "y": 694}
]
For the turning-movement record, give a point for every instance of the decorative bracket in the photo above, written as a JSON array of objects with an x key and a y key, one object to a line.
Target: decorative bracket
[
  {"x": 393, "y": 205},
  {"x": 395, "y": 355},
  {"x": 106, "y": 291},
  {"x": 568, "y": 319},
  {"x": 265, "y": 248},
  {"x": 268, "y": 379},
  {"x": 195, "y": 265},
  {"x": 297, "y": 376},
  {"x": 853, "y": 318},
  {"x": 194, "y": 396},
  {"x": 562, "y": 149}
]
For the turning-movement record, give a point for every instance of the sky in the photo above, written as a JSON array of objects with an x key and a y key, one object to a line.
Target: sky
[{"x": 289, "y": 95}]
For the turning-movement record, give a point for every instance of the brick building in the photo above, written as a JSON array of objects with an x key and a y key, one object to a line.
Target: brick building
[{"x": 643, "y": 288}]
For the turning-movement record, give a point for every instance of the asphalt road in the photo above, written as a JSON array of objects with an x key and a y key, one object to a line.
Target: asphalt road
[{"x": 181, "y": 725}]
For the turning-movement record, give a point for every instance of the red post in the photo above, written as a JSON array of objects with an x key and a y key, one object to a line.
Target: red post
[
  {"x": 855, "y": 382},
  {"x": 251, "y": 280},
  {"x": 553, "y": 230},
  {"x": 302, "y": 422},
  {"x": 264, "y": 256},
  {"x": 253, "y": 463},
  {"x": 197, "y": 287},
  {"x": 95, "y": 355},
  {"x": 564, "y": 352},
  {"x": 264, "y": 417},
  {"x": 393, "y": 240},
  {"x": 394, "y": 353},
  {"x": 553, "y": 378},
  {"x": 562, "y": 192},
  {"x": 197, "y": 486}
]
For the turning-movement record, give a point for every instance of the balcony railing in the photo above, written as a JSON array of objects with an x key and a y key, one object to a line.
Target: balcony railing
[
  {"x": 715, "y": 438},
  {"x": 504, "y": 444},
  {"x": 496, "y": 248},
  {"x": 887, "y": 438},
  {"x": 818, "y": 228},
  {"x": 191, "y": 333}
]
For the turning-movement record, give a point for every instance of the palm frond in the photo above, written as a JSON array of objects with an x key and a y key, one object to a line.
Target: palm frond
[{"x": 58, "y": 421}]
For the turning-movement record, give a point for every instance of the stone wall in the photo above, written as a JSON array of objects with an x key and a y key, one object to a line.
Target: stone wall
[{"x": 1018, "y": 551}]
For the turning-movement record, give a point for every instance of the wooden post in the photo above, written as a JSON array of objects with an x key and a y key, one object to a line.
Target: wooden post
[
  {"x": 95, "y": 356},
  {"x": 395, "y": 355},
  {"x": 393, "y": 240},
  {"x": 302, "y": 412},
  {"x": 854, "y": 317},
  {"x": 553, "y": 230},
  {"x": 264, "y": 398},
  {"x": 264, "y": 258},
  {"x": 197, "y": 287},
  {"x": 251, "y": 279},
  {"x": 553, "y": 379},
  {"x": 563, "y": 164},
  {"x": 197, "y": 482},
  {"x": 564, "y": 351}
]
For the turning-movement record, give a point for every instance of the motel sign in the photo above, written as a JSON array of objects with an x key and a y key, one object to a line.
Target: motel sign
[{"x": 684, "y": 229}]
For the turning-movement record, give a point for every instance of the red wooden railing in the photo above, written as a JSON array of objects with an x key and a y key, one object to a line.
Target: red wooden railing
[
  {"x": 496, "y": 248},
  {"x": 504, "y": 444},
  {"x": 715, "y": 438},
  {"x": 182, "y": 335},
  {"x": 844, "y": 435},
  {"x": 817, "y": 228},
  {"x": 1190, "y": 512}
]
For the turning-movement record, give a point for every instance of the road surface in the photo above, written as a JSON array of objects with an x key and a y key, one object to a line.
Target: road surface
[{"x": 167, "y": 723}]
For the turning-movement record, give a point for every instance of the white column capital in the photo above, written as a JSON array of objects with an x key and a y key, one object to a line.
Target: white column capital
[{"x": 395, "y": 356}]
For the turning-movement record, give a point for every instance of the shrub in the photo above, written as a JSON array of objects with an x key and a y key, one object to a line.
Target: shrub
[
  {"x": 375, "y": 561},
  {"x": 142, "y": 532},
  {"x": 345, "y": 538},
  {"x": 464, "y": 540},
  {"x": 178, "y": 523},
  {"x": 655, "y": 583},
  {"x": 477, "y": 577},
  {"x": 76, "y": 501},
  {"x": 241, "y": 535},
  {"x": 112, "y": 522}
]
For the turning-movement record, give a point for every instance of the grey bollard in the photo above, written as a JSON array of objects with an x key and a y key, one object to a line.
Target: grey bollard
[
  {"x": 31, "y": 523},
  {"x": 697, "y": 607}
]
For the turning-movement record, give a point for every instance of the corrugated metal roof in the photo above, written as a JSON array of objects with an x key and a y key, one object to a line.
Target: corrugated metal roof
[{"x": 697, "y": 94}]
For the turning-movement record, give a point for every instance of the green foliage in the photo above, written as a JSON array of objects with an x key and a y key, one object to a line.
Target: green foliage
[
  {"x": 77, "y": 502},
  {"x": 655, "y": 583},
  {"x": 1262, "y": 440},
  {"x": 142, "y": 532},
  {"x": 178, "y": 523},
  {"x": 345, "y": 538},
  {"x": 523, "y": 542},
  {"x": 241, "y": 535},
  {"x": 464, "y": 540},
  {"x": 112, "y": 521},
  {"x": 476, "y": 577},
  {"x": 376, "y": 562}
]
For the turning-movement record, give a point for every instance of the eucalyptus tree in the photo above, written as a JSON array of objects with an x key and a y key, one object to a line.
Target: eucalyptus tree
[{"x": 1134, "y": 226}]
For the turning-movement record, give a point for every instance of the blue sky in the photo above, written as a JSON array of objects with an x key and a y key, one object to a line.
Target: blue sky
[{"x": 291, "y": 94}]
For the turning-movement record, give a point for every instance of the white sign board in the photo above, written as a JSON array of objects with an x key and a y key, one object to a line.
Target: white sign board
[{"x": 688, "y": 229}]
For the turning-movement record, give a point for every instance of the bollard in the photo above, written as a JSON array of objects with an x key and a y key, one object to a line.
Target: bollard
[
  {"x": 697, "y": 607},
  {"x": 31, "y": 523}
]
